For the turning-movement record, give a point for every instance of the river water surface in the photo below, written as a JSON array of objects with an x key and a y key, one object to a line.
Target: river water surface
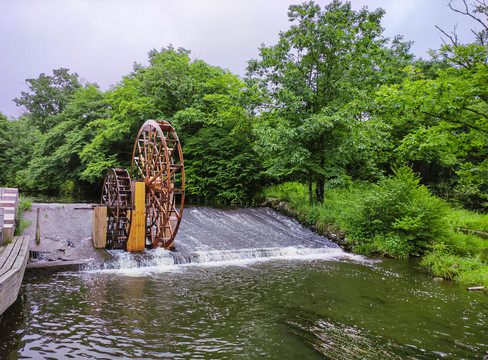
[{"x": 245, "y": 284}]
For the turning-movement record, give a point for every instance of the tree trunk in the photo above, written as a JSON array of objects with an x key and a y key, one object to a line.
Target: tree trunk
[{"x": 319, "y": 190}]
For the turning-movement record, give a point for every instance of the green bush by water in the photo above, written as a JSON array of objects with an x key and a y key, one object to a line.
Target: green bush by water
[{"x": 399, "y": 217}]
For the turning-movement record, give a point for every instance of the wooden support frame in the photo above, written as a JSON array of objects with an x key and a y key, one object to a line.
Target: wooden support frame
[
  {"x": 99, "y": 227},
  {"x": 137, "y": 234}
]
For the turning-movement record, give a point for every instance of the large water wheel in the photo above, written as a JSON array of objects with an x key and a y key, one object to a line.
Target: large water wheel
[{"x": 157, "y": 160}]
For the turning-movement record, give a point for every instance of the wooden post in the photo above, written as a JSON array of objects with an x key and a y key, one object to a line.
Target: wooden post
[
  {"x": 38, "y": 227},
  {"x": 137, "y": 236},
  {"x": 99, "y": 227}
]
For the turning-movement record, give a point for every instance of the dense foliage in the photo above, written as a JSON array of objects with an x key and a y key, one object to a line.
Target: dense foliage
[{"x": 332, "y": 101}]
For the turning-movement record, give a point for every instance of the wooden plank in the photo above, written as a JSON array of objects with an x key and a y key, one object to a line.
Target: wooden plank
[
  {"x": 10, "y": 197},
  {"x": 8, "y": 232},
  {"x": 6, "y": 253},
  {"x": 8, "y": 264},
  {"x": 9, "y": 218},
  {"x": 1, "y": 225},
  {"x": 21, "y": 258},
  {"x": 38, "y": 226},
  {"x": 10, "y": 190},
  {"x": 137, "y": 236},
  {"x": 99, "y": 227},
  {"x": 11, "y": 280},
  {"x": 7, "y": 203},
  {"x": 476, "y": 288}
]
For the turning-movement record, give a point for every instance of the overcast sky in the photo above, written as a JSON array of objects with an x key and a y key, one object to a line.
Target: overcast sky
[{"x": 101, "y": 39}]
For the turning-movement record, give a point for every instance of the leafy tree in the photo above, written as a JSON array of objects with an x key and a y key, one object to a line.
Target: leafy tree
[
  {"x": 4, "y": 125},
  {"x": 170, "y": 84},
  {"x": 222, "y": 167},
  {"x": 48, "y": 95},
  {"x": 205, "y": 104},
  {"x": 55, "y": 160},
  {"x": 17, "y": 144},
  {"x": 324, "y": 61},
  {"x": 440, "y": 125},
  {"x": 400, "y": 217}
]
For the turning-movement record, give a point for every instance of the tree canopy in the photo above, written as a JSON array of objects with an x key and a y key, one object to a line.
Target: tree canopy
[
  {"x": 332, "y": 101},
  {"x": 328, "y": 59}
]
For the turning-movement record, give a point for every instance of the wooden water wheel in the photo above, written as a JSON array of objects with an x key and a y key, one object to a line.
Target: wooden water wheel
[
  {"x": 158, "y": 161},
  {"x": 116, "y": 195}
]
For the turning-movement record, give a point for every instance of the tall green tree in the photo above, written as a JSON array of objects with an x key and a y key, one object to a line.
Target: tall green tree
[
  {"x": 4, "y": 125},
  {"x": 438, "y": 116},
  {"x": 440, "y": 126},
  {"x": 205, "y": 104},
  {"x": 55, "y": 163},
  {"x": 17, "y": 144},
  {"x": 328, "y": 58},
  {"x": 48, "y": 95}
]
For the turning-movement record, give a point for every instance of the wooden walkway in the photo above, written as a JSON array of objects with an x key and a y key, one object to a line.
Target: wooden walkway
[{"x": 13, "y": 259}]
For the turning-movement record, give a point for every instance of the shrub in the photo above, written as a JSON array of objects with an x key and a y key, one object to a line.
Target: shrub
[
  {"x": 401, "y": 217},
  {"x": 441, "y": 265}
]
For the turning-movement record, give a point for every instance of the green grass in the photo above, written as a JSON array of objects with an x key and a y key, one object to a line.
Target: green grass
[
  {"x": 466, "y": 270},
  {"x": 465, "y": 219},
  {"x": 399, "y": 218},
  {"x": 340, "y": 208},
  {"x": 24, "y": 205}
]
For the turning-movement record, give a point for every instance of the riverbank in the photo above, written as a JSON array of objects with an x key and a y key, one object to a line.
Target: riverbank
[
  {"x": 397, "y": 218},
  {"x": 331, "y": 232}
]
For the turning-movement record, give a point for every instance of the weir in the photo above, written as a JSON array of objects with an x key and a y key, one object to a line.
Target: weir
[{"x": 209, "y": 236}]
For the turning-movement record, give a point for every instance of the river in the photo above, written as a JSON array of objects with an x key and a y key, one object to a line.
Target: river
[{"x": 245, "y": 284}]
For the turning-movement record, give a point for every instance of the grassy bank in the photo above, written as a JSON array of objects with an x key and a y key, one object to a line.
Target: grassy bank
[{"x": 400, "y": 218}]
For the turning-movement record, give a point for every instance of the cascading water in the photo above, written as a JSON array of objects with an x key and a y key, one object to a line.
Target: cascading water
[{"x": 210, "y": 236}]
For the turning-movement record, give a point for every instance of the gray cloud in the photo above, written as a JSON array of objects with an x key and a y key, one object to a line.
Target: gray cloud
[{"x": 100, "y": 40}]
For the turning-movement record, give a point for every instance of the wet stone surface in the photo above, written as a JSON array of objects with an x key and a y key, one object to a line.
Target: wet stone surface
[{"x": 65, "y": 234}]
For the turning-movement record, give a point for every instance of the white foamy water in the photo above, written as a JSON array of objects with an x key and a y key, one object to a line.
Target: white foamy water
[{"x": 214, "y": 237}]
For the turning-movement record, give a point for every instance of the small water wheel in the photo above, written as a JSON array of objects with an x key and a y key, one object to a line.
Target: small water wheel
[
  {"x": 116, "y": 195},
  {"x": 157, "y": 160}
]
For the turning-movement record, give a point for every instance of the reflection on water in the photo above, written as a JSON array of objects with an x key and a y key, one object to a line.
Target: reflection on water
[
  {"x": 281, "y": 309},
  {"x": 248, "y": 296}
]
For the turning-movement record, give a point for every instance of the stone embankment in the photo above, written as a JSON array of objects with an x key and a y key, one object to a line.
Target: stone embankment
[{"x": 329, "y": 231}]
